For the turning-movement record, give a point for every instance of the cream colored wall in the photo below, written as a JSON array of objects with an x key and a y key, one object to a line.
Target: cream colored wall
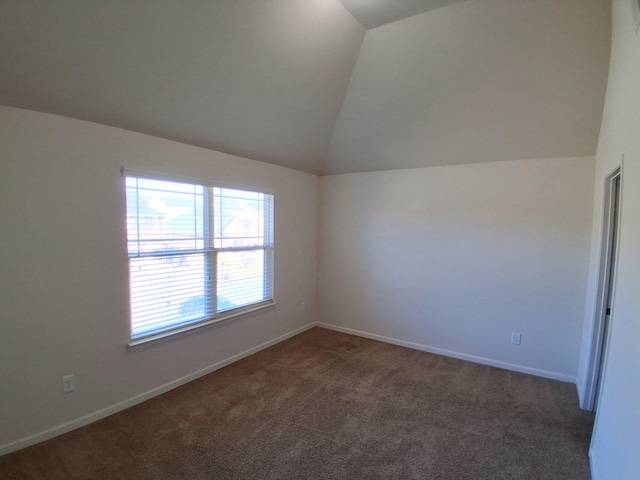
[
  {"x": 454, "y": 259},
  {"x": 64, "y": 274},
  {"x": 616, "y": 438}
]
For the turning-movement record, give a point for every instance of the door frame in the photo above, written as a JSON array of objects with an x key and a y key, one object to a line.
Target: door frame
[{"x": 603, "y": 315}]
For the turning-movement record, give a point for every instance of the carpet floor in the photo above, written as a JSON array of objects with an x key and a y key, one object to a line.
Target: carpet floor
[{"x": 326, "y": 405}]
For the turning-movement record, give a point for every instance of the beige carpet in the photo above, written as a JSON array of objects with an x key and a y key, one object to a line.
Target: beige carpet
[{"x": 325, "y": 405}]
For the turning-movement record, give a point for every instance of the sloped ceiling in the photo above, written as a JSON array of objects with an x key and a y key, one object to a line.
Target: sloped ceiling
[
  {"x": 302, "y": 84},
  {"x": 373, "y": 13},
  {"x": 263, "y": 79},
  {"x": 477, "y": 81}
]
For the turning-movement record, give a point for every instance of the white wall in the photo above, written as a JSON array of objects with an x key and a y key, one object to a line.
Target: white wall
[
  {"x": 616, "y": 439},
  {"x": 454, "y": 259},
  {"x": 64, "y": 273}
]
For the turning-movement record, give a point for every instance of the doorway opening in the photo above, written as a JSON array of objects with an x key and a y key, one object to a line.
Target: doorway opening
[{"x": 606, "y": 280}]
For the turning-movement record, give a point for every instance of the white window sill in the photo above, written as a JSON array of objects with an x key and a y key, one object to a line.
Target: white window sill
[{"x": 180, "y": 331}]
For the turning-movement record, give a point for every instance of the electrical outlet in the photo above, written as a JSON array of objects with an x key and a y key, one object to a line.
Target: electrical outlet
[
  {"x": 68, "y": 383},
  {"x": 516, "y": 338},
  {"x": 303, "y": 307}
]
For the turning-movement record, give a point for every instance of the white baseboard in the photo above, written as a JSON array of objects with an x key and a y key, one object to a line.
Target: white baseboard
[
  {"x": 449, "y": 353},
  {"x": 592, "y": 469},
  {"x": 115, "y": 408},
  {"x": 105, "y": 412},
  {"x": 584, "y": 400}
]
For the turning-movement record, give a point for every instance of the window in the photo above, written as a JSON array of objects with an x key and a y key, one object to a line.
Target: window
[{"x": 197, "y": 253}]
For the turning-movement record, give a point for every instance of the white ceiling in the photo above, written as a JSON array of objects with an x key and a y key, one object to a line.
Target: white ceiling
[
  {"x": 302, "y": 84},
  {"x": 477, "y": 81}
]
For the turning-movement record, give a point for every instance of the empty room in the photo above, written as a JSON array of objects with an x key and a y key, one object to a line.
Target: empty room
[{"x": 251, "y": 239}]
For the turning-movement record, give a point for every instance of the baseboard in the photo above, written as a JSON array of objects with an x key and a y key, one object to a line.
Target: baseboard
[
  {"x": 584, "y": 401},
  {"x": 592, "y": 469},
  {"x": 105, "y": 412},
  {"x": 449, "y": 353},
  {"x": 123, "y": 405},
  {"x": 580, "y": 395}
]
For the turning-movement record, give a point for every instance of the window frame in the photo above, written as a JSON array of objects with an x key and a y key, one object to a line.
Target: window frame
[{"x": 210, "y": 252}]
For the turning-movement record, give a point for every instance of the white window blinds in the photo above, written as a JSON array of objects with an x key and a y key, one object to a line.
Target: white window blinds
[{"x": 196, "y": 252}]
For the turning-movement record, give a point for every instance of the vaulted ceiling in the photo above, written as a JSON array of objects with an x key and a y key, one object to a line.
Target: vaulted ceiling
[
  {"x": 373, "y": 13},
  {"x": 322, "y": 86}
]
